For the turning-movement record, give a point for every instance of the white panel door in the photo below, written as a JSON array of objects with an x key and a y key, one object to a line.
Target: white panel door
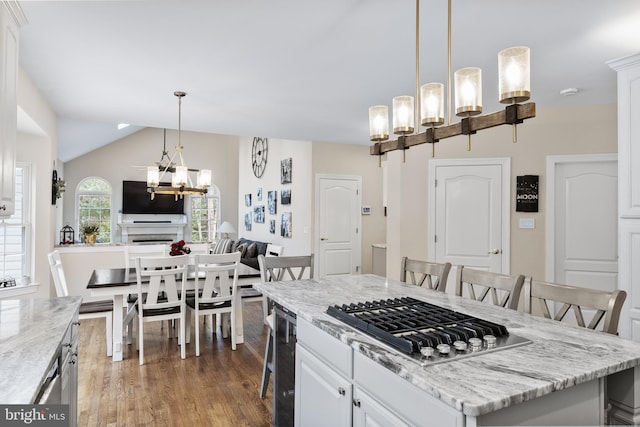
[
  {"x": 586, "y": 223},
  {"x": 471, "y": 213},
  {"x": 338, "y": 238}
]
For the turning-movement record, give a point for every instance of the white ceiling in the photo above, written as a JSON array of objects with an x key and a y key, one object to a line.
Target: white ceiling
[{"x": 299, "y": 69}]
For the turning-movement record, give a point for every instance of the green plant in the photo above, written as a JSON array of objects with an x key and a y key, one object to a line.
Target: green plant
[{"x": 89, "y": 228}]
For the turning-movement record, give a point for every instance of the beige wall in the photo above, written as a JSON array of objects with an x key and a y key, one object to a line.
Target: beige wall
[
  {"x": 577, "y": 130},
  {"x": 127, "y": 159},
  {"x": 347, "y": 159},
  {"x": 37, "y": 145}
]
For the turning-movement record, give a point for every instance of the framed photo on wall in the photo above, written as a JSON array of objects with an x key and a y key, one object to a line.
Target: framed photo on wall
[
  {"x": 285, "y": 197},
  {"x": 272, "y": 226},
  {"x": 259, "y": 194},
  {"x": 247, "y": 199},
  {"x": 247, "y": 221},
  {"x": 285, "y": 171},
  {"x": 258, "y": 213},
  {"x": 285, "y": 225},
  {"x": 272, "y": 202}
]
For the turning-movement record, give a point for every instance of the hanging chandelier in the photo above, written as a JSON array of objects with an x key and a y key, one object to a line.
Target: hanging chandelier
[
  {"x": 181, "y": 182},
  {"x": 514, "y": 88}
]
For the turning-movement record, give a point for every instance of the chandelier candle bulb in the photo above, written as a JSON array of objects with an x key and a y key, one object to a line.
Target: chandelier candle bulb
[
  {"x": 180, "y": 177},
  {"x": 403, "y": 115},
  {"x": 204, "y": 178},
  {"x": 432, "y": 104},
  {"x": 378, "y": 123},
  {"x": 514, "y": 82},
  {"x": 153, "y": 176},
  {"x": 468, "y": 86}
]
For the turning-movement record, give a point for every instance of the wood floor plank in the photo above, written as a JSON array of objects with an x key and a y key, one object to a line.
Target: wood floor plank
[{"x": 219, "y": 388}]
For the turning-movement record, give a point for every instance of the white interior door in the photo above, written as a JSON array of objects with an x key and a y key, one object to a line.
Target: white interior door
[
  {"x": 338, "y": 223},
  {"x": 582, "y": 229},
  {"x": 469, "y": 213}
]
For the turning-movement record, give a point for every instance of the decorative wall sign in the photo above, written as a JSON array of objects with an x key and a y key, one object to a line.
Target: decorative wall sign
[
  {"x": 258, "y": 213},
  {"x": 285, "y": 225},
  {"x": 285, "y": 171},
  {"x": 272, "y": 202},
  {"x": 527, "y": 193},
  {"x": 272, "y": 226},
  {"x": 247, "y": 199},
  {"x": 285, "y": 197},
  {"x": 247, "y": 221}
]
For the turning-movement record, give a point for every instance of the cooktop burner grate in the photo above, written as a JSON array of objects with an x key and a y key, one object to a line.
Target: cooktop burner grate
[{"x": 431, "y": 332}]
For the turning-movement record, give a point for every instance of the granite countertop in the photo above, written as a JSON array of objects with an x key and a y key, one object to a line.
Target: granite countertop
[
  {"x": 559, "y": 356},
  {"x": 31, "y": 331}
]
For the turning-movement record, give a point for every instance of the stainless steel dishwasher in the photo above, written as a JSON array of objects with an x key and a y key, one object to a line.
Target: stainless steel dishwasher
[{"x": 284, "y": 357}]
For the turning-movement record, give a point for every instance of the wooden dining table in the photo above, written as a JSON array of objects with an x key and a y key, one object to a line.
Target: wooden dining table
[{"x": 117, "y": 283}]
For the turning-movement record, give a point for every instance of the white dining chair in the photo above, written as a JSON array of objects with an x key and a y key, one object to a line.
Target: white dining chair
[
  {"x": 88, "y": 309},
  {"x": 164, "y": 299},
  {"x": 215, "y": 291}
]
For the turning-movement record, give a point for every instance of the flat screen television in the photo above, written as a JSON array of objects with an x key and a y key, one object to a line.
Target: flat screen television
[{"x": 136, "y": 200}]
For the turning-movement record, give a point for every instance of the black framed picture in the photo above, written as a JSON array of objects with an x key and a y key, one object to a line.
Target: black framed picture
[
  {"x": 247, "y": 199},
  {"x": 272, "y": 226},
  {"x": 285, "y": 197},
  {"x": 285, "y": 225},
  {"x": 258, "y": 213},
  {"x": 527, "y": 193},
  {"x": 285, "y": 171},
  {"x": 259, "y": 194},
  {"x": 272, "y": 202},
  {"x": 247, "y": 221}
]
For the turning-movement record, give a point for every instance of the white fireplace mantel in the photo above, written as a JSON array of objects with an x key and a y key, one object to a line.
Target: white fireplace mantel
[{"x": 151, "y": 228}]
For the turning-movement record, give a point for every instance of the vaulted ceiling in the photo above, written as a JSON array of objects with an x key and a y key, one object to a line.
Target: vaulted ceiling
[{"x": 299, "y": 69}]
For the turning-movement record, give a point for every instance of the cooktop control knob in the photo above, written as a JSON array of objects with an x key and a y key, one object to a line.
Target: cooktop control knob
[
  {"x": 475, "y": 343},
  {"x": 443, "y": 349},
  {"x": 460, "y": 345},
  {"x": 427, "y": 351},
  {"x": 490, "y": 340}
]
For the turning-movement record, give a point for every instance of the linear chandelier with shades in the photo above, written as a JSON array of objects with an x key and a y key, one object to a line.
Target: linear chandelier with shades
[
  {"x": 513, "y": 88},
  {"x": 181, "y": 182}
]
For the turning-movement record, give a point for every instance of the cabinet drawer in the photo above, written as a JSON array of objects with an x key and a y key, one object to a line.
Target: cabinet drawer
[
  {"x": 401, "y": 397},
  {"x": 331, "y": 350}
]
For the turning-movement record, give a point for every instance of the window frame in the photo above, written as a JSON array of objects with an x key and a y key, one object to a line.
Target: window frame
[
  {"x": 26, "y": 223},
  {"x": 80, "y": 193},
  {"x": 212, "y": 193}
]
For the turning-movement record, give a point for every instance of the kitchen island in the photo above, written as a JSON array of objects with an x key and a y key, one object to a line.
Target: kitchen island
[
  {"x": 35, "y": 334},
  {"x": 564, "y": 375}
]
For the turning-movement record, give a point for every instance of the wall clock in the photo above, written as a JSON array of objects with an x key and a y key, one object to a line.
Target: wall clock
[{"x": 259, "y": 152}]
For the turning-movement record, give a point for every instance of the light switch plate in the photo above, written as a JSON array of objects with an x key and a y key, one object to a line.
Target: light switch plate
[{"x": 527, "y": 223}]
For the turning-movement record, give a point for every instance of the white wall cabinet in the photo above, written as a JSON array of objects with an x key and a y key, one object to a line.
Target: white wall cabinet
[{"x": 8, "y": 107}]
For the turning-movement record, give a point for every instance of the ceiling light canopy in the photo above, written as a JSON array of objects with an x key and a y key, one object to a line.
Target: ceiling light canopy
[
  {"x": 514, "y": 88},
  {"x": 181, "y": 182}
]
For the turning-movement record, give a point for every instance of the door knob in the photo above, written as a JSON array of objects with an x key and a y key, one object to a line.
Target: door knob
[
  {"x": 323, "y": 238},
  {"x": 494, "y": 252}
]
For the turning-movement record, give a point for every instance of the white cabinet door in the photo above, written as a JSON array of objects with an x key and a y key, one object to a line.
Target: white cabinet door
[
  {"x": 8, "y": 110},
  {"x": 323, "y": 398},
  {"x": 368, "y": 412}
]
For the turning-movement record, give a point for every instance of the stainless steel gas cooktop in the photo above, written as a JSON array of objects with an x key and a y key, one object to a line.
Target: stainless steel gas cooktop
[{"x": 427, "y": 332}]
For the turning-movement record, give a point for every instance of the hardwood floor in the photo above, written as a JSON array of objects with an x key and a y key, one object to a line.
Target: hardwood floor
[{"x": 219, "y": 388}]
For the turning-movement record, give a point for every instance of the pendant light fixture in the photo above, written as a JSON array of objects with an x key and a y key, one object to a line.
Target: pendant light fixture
[
  {"x": 514, "y": 88},
  {"x": 181, "y": 182}
]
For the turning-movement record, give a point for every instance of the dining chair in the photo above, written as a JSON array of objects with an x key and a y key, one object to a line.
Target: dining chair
[
  {"x": 249, "y": 294},
  {"x": 164, "y": 298},
  {"x": 88, "y": 309},
  {"x": 425, "y": 272},
  {"x": 278, "y": 269},
  {"x": 504, "y": 289},
  {"x": 131, "y": 252},
  {"x": 605, "y": 304},
  {"x": 215, "y": 291}
]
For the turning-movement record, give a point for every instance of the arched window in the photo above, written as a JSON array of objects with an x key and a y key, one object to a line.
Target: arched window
[
  {"x": 93, "y": 206},
  {"x": 205, "y": 213}
]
